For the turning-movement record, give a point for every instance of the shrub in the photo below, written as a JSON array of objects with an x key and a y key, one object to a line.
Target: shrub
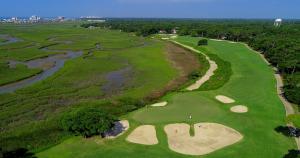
[
  {"x": 292, "y": 87},
  {"x": 202, "y": 42},
  {"x": 221, "y": 75},
  {"x": 88, "y": 122},
  {"x": 18, "y": 153},
  {"x": 194, "y": 75},
  {"x": 292, "y": 154},
  {"x": 292, "y": 93}
]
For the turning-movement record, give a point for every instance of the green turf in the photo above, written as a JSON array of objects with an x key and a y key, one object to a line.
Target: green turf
[
  {"x": 252, "y": 83},
  {"x": 295, "y": 119}
]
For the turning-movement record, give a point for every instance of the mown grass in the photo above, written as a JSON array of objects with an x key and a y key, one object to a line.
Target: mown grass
[
  {"x": 295, "y": 119},
  {"x": 252, "y": 83}
]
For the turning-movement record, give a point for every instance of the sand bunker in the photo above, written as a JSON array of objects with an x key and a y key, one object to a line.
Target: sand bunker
[
  {"x": 165, "y": 38},
  {"x": 145, "y": 134},
  {"x": 159, "y": 104},
  {"x": 120, "y": 128},
  {"x": 217, "y": 40},
  {"x": 208, "y": 138},
  {"x": 239, "y": 109},
  {"x": 173, "y": 37},
  {"x": 224, "y": 99}
]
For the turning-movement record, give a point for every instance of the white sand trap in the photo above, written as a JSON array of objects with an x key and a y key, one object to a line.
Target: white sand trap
[
  {"x": 224, "y": 99},
  {"x": 120, "y": 128},
  {"x": 239, "y": 109},
  {"x": 217, "y": 40},
  {"x": 145, "y": 134},
  {"x": 159, "y": 104},
  {"x": 208, "y": 138},
  {"x": 173, "y": 37},
  {"x": 165, "y": 38}
]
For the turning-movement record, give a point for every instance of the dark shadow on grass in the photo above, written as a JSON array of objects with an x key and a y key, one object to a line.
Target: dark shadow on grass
[
  {"x": 292, "y": 154},
  {"x": 288, "y": 131},
  {"x": 18, "y": 153}
]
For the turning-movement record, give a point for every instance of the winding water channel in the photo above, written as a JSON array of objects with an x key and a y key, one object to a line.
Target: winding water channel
[
  {"x": 52, "y": 64},
  {"x": 49, "y": 65},
  {"x": 8, "y": 39}
]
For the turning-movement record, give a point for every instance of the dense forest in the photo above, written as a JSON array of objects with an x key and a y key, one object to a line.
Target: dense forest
[{"x": 280, "y": 45}]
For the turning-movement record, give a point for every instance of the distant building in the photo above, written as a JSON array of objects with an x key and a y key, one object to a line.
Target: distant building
[
  {"x": 14, "y": 19},
  {"x": 61, "y": 18},
  {"x": 92, "y": 19},
  {"x": 174, "y": 31},
  {"x": 162, "y": 32},
  {"x": 91, "y": 27},
  {"x": 34, "y": 18},
  {"x": 278, "y": 22}
]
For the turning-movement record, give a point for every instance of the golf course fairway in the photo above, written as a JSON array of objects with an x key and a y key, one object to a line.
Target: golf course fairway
[{"x": 251, "y": 83}]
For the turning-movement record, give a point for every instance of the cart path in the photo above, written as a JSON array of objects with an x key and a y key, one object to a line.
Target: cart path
[{"x": 210, "y": 72}]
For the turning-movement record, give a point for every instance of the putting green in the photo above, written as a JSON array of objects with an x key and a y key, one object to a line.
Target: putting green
[{"x": 252, "y": 83}]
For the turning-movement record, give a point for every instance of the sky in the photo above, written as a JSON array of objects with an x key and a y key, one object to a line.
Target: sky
[{"x": 153, "y": 8}]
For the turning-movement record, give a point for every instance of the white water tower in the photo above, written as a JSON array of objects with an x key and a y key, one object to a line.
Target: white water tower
[{"x": 278, "y": 22}]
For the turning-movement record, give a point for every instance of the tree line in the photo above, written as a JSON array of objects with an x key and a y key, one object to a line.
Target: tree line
[{"x": 280, "y": 45}]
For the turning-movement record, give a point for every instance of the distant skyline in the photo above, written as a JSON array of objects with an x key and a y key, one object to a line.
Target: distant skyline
[{"x": 153, "y": 8}]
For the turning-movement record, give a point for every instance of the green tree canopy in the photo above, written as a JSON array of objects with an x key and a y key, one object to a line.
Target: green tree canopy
[
  {"x": 88, "y": 122},
  {"x": 202, "y": 42}
]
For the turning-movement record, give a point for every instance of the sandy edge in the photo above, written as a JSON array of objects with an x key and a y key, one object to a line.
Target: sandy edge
[
  {"x": 210, "y": 72},
  {"x": 160, "y": 104},
  {"x": 224, "y": 99},
  {"x": 219, "y": 40},
  {"x": 239, "y": 109},
  {"x": 209, "y": 137},
  {"x": 144, "y": 134}
]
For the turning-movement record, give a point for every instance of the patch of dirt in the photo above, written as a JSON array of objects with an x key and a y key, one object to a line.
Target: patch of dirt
[
  {"x": 208, "y": 138},
  {"x": 183, "y": 60},
  {"x": 209, "y": 73},
  {"x": 145, "y": 134}
]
